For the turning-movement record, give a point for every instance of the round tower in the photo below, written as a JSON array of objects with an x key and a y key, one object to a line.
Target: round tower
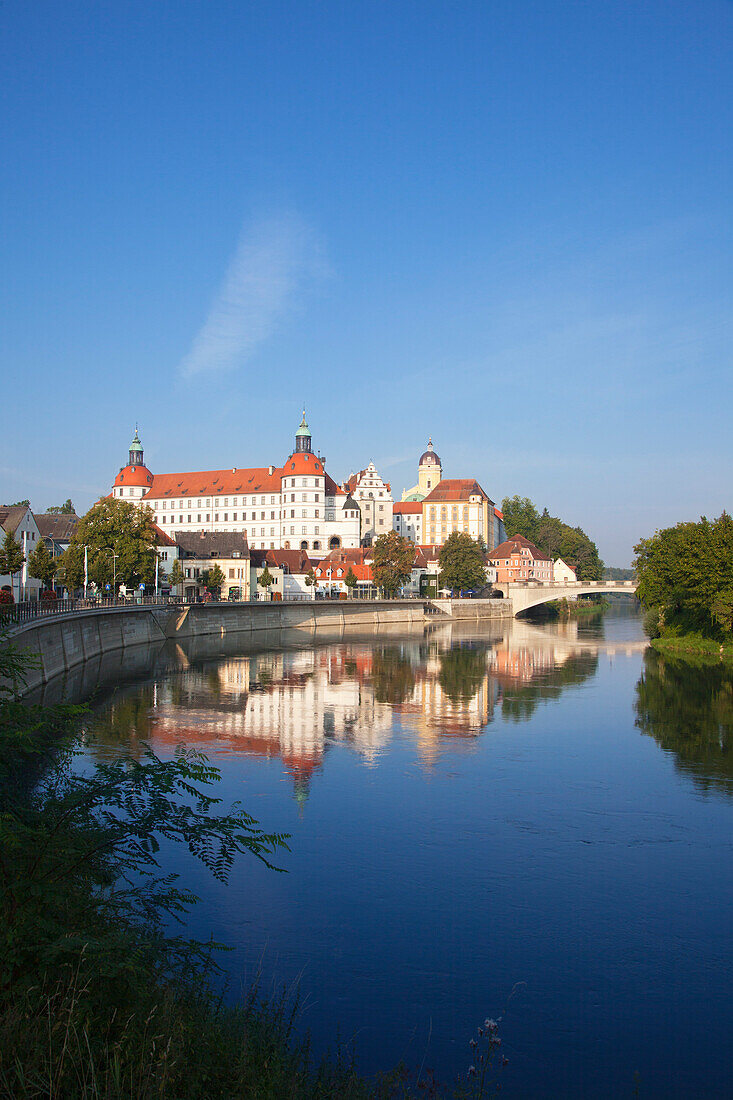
[
  {"x": 429, "y": 470},
  {"x": 134, "y": 480}
]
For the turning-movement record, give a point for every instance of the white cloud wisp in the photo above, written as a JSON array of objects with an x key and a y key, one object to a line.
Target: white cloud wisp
[{"x": 273, "y": 257}]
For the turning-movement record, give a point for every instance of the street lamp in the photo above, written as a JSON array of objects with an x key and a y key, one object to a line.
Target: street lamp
[{"x": 114, "y": 570}]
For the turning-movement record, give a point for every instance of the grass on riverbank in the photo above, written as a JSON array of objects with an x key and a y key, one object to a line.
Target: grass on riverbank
[{"x": 693, "y": 647}]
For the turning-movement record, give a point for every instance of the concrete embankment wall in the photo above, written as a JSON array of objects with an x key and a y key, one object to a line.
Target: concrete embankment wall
[
  {"x": 473, "y": 609},
  {"x": 61, "y": 643}
]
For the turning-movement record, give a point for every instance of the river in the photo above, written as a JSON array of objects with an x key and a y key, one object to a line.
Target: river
[{"x": 526, "y": 822}]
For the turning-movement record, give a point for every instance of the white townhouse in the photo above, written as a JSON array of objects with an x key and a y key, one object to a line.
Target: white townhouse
[
  {"x": 407, "y": 520},
  {"x": 295, "y": 506},
  {"x": 374, "y": 497}
]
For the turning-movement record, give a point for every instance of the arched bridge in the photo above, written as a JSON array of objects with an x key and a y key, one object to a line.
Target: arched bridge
[{"x": 526, "y": 594}]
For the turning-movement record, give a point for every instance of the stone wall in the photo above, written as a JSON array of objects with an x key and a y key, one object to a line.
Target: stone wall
[
  {"x": 62, "y": 643},
  {"x": 473, "y": 609}
]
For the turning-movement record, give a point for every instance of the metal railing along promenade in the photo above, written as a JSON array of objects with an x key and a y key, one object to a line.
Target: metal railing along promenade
[{"x": 18, "y": 613}]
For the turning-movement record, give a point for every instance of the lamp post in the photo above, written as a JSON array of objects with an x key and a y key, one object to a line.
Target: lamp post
[{"x": 114, "y": 570}]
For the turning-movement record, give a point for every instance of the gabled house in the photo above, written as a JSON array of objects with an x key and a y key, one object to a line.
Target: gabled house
[
  {"x": 518, "y": 559},
  {"x": 19, "y": 521},
  {"x": 57, "y": 530}
]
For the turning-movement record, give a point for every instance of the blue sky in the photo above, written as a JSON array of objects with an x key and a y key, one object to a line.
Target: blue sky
[{"x": 506, "y": 225}]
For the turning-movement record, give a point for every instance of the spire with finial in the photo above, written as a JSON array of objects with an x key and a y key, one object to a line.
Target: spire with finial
[
  {"x": 136, "y": 450},
  {"x": 303, "y": 437}
]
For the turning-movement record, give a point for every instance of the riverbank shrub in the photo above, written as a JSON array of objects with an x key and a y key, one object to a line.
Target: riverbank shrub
[{"x": 685, "y": 573}]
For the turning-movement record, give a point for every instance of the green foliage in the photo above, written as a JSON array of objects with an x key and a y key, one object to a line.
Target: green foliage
[
  {"x": 41, "y": 565},
  {"x": 265, "y": 578},
  {"x": 392, "y": 561},
  {"x": 65, "y": 509},
  {"x": 520, "y": 517},
  {"x": 552, "y": 535},
  {"x": 462, "y": 563},
  {"x": 350, "y": 580},
  {"x": 11, "y": 556},
  {"x": 176, "y": 576},
  {"x": 18, "y": 504},
  {"x": 310, "y": 578},
  {"x": 128, "y": 530},
  {"x": 212, "y": 579},
  {"x": 615, "y": 573},
  {"x": 687, "y": 572},
  {"x": 653, "y": 622}
]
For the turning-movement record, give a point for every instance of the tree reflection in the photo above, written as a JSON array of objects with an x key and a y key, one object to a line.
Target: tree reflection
[
  {"x": 462, "y": 670},
  {"x": 688, "y": 710},
  {"x": 392, "y": 676}
]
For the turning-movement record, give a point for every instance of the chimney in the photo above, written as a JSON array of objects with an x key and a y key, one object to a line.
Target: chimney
[{"x": 271, "y": 470}]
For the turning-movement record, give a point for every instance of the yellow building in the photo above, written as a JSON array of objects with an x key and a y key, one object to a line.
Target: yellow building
[{"x": 458, "y": 504}]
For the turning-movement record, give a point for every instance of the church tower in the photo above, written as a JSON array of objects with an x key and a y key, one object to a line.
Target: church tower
[{"x": 429, "y": 470}]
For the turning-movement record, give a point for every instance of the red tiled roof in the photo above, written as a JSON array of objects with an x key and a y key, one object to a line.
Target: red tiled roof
[
  {"x": 350, "y": 556},
  {"x": 457, "y": 488},
  {"x": 297, "y": 561},
  {"x": 498, "y": 513},
  {"x": 514, "y": 546},
  {"x": 134, "y": 475},
  {"x": 162, "y": 538},
  {"x": 331, "y": 488},
  {"x": 211, "y": 482},
  {"x": 362, "y": 570},
  {"x": 302, "y": 463},
  {"x": 408, "y": 507},
  {"x": 350, "y": 484}
]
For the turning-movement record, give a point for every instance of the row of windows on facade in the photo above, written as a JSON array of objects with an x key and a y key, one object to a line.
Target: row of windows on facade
[
  {"x": 255, "y": 501},
  {"x": 169, "y": 520},
  {"x": 334, "y": 544},
  {"x": 444, "y": 512}
]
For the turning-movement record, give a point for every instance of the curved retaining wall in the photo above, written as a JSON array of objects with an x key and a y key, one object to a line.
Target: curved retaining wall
[{"x": 62, "y": 642}]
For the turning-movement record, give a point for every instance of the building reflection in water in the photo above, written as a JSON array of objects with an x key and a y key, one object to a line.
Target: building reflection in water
[{"x": 440, "y": 689}]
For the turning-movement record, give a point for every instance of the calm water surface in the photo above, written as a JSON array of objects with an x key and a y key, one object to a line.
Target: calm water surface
[{"x": 525, "y": 821}]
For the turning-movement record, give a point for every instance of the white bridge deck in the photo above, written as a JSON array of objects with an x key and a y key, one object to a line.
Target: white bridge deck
[{"x": 526, "y": 594}]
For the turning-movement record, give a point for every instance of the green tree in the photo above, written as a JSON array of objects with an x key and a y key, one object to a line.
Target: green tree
[
  {"x": 265, "y": 579},
  {"x": 350, "y": 580},
  {"x": 461, "y": 562},
  {"x": 310, "y": 578},
  {"x": 176, "y": 577},
  {"x": 18, "y": 504},
  {"x": 520, "y": 517},
  {"x": 11, "y": 557},
  {"x": 686, "y": 572},
  {"x": 65, "y": 509},
  {"x": 552, "y": 535},
  {"x": 41, "y": 565},
  {"x": 112, "y": 525},
  {"x": 392, "y": 561},
  {"x": 212, "y": 579}
]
